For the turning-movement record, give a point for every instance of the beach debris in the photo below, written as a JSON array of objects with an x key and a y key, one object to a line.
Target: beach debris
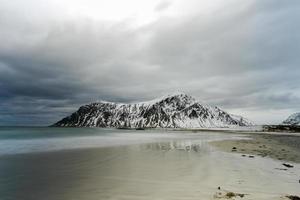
[
  {"x": 284, "y": 169},
  {"x": 223, "y": 194},
  {"x": 233, "y": 147},
  {"x": 251, "y": 156},
  {"x": 232, "y": 194},
  {"x": 243, "y": 155},
  {"x": 287, "y": 165},
  {"x": 293, "y": 197}
]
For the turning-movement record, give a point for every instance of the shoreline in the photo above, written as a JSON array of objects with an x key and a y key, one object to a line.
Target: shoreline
[{"x": 257, "y": 129}]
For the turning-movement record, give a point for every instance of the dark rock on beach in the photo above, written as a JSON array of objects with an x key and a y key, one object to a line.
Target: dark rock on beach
[
  {"x": 292, "y": 197},
  {"x": 287, "y": 165}
]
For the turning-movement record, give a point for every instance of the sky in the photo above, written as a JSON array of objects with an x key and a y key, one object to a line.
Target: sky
[{"x": 242, "y": 56}]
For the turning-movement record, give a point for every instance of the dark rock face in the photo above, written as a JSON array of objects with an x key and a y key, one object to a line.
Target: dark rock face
[
  {"x": 174, "y": 111},
  {"x": 281, "y": 128}
]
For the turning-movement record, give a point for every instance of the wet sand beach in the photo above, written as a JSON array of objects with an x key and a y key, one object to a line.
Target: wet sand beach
[{"x": 166, "y": 166}]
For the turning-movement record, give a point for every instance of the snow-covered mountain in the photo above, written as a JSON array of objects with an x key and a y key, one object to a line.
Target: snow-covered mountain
[
  {"x": 293, "y": 119},
  {"x": 171, "y": 111}
]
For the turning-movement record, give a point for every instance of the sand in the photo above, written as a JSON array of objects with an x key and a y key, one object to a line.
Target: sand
[
  {"x": 283, "y": 147},
  {"x": 166, "y": 166}
]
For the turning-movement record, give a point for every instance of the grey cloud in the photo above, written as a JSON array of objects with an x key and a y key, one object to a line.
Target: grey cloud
[
  {"x": 163, "y": 5},
  {"x": 244, "y": 57}
]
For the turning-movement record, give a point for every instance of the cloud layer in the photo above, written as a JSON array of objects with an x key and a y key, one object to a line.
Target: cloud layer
[{"x": 241, "y": 56}]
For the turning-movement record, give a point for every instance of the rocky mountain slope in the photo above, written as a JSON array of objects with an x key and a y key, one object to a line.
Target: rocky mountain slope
[
  {"x": 294, "y": 119},
  {"x": 172, "y": 111}
]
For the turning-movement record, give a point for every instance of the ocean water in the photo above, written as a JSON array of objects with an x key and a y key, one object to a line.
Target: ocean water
[
  {"x": 94, "y": 163},
  {"x": 18, "y": 140}
]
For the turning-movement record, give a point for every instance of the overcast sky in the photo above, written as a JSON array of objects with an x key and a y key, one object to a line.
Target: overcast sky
[{"x": 241, "y": 55}]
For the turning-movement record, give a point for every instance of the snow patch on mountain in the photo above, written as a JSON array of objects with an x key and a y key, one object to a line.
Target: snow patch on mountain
[
  {"x": 171, "y": 111},
  {"x": 293, "y": 119}
]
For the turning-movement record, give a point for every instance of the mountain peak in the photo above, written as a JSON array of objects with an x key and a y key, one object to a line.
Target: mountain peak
[
  {"x": 177, "y": 93},
  {"x": 179, "y": 96}
]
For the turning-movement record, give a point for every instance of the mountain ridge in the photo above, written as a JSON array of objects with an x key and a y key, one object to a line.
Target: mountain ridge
[{"x": 170, "y": 111}]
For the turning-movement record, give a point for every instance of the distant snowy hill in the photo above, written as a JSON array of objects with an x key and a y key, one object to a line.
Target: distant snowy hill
[
  {"x": 172, "y": 111},
  {"x": 294, "y": 119}
]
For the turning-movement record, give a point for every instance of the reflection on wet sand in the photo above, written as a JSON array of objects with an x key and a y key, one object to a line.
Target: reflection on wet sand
[
  {"x": 128, "y": 172},
  {"x": 195, "y": 146}
]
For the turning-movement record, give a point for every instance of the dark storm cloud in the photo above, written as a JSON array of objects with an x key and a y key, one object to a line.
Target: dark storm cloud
[{"x": 243, "y": 58}]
